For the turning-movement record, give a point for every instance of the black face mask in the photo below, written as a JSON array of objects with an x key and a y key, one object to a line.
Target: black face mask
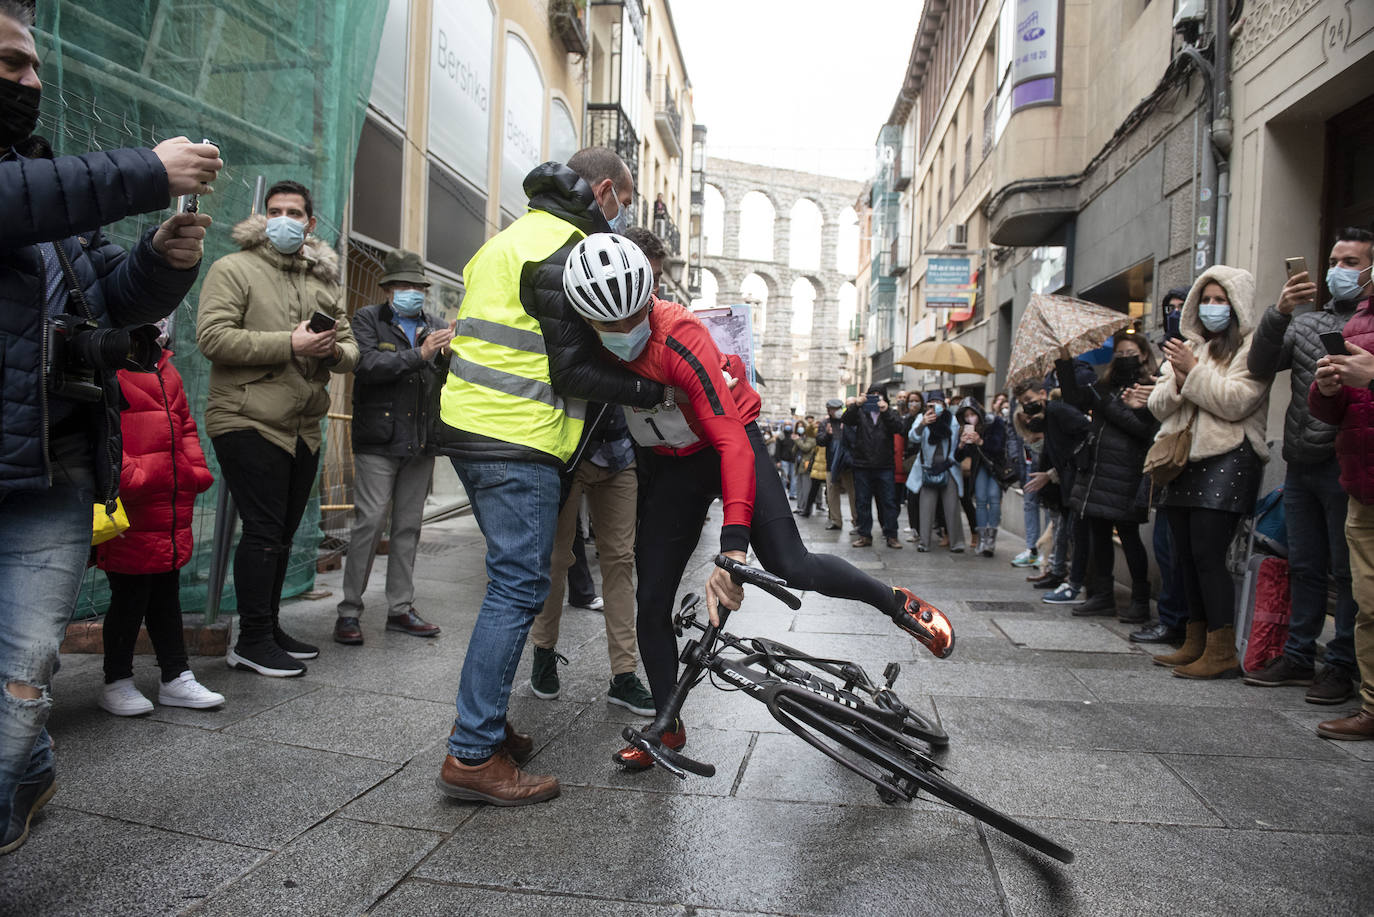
[
  {"x": 1035, "y": 407},
  {"x": 1035, "y": 424},
  {"x": 18, "y": 112},
  {"x": 1125, "y": 370}
]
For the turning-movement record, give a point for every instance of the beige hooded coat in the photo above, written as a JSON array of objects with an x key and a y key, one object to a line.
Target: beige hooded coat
[
  {"x": 1231, "y": 404},
  {"x": 250, "y": 303}
]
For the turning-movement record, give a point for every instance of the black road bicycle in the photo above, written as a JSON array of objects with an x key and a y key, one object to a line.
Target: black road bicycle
[{"x": 831, "y": 704}]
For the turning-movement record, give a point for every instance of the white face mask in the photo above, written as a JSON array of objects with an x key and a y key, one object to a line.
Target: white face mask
[
  {"x": 1215, "y": 316},
  {"x": 287, "y": 234}
]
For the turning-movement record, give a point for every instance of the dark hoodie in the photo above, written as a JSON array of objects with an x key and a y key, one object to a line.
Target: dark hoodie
[
  {"x": 873, "y": 432},
  {"x": 578, "y": 366}
]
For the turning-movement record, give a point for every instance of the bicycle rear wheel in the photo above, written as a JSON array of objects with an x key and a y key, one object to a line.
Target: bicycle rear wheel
[{"x": 883, "y": 760}]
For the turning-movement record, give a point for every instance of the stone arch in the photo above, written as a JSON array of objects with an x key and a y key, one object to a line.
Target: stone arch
[
  {"x": 713, "y": 220},
  {"x": 846, "y": 253},
  {"x": 712, "y": 282},
  {"x": 758, "y": 222},
  {"x": 806, "y": 225}
]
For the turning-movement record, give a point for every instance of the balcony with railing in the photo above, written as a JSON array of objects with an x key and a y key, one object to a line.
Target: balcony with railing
[
  {"x": 608, "y": 125},
  {"x": 667, "y": 230},
  {"x": 568, "y": 24},
  {"x": 668, "y": 116}
]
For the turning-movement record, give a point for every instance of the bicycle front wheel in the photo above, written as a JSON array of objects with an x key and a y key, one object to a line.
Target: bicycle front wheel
[{"x": 887, "y": 763}]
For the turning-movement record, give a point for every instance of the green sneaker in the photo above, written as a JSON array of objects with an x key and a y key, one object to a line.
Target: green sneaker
[
  {"x": 544, "y": 674},
  {"x": 629, "y": 692}
]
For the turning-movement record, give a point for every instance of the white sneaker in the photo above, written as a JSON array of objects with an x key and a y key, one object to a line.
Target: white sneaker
[
  {"x": 122, "y": 699},
  {"x": 185, "y": 691}
]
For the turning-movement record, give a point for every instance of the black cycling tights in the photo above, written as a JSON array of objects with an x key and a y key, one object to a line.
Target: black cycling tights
[{"x": 677, "y": 494}]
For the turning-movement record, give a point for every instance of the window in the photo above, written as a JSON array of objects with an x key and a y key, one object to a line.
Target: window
[
  {"x": 377, "y": 184},
  {"x": 389, "y": 78},
  {"x": 456, "y": 224},
  {"x": 522, "y": 124},
  {"x": 968, "y": 158},
  {"x": 562, "y": 132}
]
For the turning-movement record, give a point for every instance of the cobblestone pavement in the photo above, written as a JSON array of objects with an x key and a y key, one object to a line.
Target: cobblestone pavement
[{"x": 315, "y": 795}]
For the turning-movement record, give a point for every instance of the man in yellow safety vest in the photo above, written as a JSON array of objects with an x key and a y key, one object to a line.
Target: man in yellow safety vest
[{"x": 524, "y": 367}]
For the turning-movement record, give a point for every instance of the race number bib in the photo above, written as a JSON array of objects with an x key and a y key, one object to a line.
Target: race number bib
[{"x": 660, "y": 426}]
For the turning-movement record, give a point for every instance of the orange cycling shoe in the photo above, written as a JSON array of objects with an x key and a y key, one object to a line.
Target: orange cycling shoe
[
  {"x": 636, "y": 759},
  {"x": 925, "y": 622}
]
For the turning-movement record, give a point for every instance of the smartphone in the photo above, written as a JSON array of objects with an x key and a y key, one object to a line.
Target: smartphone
[
  {"x": 1296, "y": 265},
  {"x": 190, "y": 203},
  {"x": 871, "y": 403},
  {"x": 320, "y": 322},
  {"x": 1334, "y": 342}
]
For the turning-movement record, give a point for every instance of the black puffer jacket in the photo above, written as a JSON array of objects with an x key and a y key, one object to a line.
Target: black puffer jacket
[
  {"x": 873, "y": 445},
  {"x": 578, "y": 366},
  {"x": 65, "y": 201},
  {"x": 395, "y": 391},
  {"x": 1291, "y": 342},
  {"x": 1111, "y": 467}
]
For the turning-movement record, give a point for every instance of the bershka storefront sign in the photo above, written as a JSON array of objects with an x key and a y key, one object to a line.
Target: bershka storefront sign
[{"x": 460, "y": 86}]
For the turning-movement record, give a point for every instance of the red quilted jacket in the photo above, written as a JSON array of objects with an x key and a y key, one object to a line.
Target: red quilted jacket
[
  {"x": 164, "y": 468},
  {"x": 1352, "y": 409}
]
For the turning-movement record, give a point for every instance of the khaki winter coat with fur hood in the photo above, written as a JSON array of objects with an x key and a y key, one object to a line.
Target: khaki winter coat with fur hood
[
  {"x": 250, "y": 303},
  {"x": 1231, "y": 404}
]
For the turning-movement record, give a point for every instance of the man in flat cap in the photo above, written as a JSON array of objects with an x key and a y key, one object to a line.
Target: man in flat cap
[{"x": 402, "y": 361}]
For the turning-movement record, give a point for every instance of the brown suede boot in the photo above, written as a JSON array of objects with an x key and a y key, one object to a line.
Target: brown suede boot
[
  {"x": 1191, "y": 650},
  {"x": 1218, "y": 659}
]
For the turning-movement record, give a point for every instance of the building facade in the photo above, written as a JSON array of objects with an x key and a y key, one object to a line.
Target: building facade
[
  {"x": 469, "y": 95},
  {"x": 1111, "y": 150}
]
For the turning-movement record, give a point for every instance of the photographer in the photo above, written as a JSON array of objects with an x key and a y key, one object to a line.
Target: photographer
[{"x": 62, "y": 454}]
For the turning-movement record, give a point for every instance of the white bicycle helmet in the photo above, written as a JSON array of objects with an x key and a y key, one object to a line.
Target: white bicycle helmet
[{"x": 607, "y": 277}]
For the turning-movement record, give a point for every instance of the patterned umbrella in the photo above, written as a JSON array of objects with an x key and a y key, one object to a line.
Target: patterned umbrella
[
  {"x": 1052, "y": 323},
  {"x": 946, "y": 357}
]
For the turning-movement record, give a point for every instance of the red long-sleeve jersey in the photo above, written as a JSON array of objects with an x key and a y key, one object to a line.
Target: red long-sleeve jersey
[{"x": 682, "y": 353}]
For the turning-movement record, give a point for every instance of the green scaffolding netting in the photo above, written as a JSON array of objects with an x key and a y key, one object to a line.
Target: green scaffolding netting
[{"x": 280, "y": 85}]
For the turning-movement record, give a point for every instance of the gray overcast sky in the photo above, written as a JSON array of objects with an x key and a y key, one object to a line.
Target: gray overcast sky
[{"x": 798, "y": 84}]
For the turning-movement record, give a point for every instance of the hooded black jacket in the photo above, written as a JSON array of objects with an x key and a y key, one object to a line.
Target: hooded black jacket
[{"x": 578, "y": 365}]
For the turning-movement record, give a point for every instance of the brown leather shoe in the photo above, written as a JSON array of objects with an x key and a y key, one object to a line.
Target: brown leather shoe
[
  {"x": 497, "y": 781},
  {"x": 863, "y": 541},
  {"x": 519, "y": 745},
  {"x": 895, "y": 543},
  {"x": 348, "y": 631},
  {"x": 411, "y": 623},
  {"x": 1356, "y": 728}
]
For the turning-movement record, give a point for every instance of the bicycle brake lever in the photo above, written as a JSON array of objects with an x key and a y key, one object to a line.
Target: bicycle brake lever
[{"x": 676, "y": 764}]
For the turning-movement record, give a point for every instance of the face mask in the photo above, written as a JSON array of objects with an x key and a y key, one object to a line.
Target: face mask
[
  {"x": 628, "y": 344},
  {"x": 939, "y": 409},
  {"x": 18, "y": 112},
  {"x": 1033, "y": 408},
  {"x": 1215, "y": 316},
  {"x": 1035, "y": 424},
  {"x": 621, "y": 221},
  {"x": 1125, "y": 370},
  {"x": 408, "y": 303},
  {"x": 1344, "y": 283},
  {"x": 287, "y": 235}
]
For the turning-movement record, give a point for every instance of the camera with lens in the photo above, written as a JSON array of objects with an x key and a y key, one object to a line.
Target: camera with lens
[{"x": 79, "y": 351}]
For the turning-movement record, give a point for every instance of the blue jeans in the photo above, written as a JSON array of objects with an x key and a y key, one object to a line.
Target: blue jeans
[
  {"x": 45, "y": 537},
  {"x": 1172, "y": 602},
  {"x": 516, "y": 507},
  {"x": 1030, "y": 512},
  {"x": 789, "y": 476},
  {"x": 1314, "y": 505},
  {"x": 987, "y": 499},
  {"x": 868, "y": 484},
  {"x": 1059, "y": 557}
]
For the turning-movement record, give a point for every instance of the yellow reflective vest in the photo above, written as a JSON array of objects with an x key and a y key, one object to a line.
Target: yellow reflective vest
[{"x": 499, "y": 385}]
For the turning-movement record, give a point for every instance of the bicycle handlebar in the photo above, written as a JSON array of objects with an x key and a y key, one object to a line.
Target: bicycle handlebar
[{"x": 773, "y": 585}]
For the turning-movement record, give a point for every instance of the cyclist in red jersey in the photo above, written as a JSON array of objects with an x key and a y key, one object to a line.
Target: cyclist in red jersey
[{"x": 706, "y": 444}]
